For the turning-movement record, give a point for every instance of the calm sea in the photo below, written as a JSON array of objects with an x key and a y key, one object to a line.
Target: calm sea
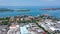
[{"x": 34, "y": 11}]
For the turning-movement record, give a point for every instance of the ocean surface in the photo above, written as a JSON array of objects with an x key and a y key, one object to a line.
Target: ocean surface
[{"x": 34, "y": 11}]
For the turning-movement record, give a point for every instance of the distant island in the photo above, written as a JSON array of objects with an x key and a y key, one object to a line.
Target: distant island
[
  {"x": 9, "y": 10},
  {"x": 50, "y": 9},
  {"x": 22, "y": 10},
  {"x": 5, "y": 9}
]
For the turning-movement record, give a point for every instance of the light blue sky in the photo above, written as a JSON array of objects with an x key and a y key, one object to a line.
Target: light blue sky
[{"x": 29, "y": 2}]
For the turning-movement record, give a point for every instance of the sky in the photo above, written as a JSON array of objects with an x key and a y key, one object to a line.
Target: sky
[{"x": 29, "y": 2}]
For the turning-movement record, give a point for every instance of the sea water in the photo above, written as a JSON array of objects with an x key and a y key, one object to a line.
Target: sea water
[{"x": 34, "y": 11}]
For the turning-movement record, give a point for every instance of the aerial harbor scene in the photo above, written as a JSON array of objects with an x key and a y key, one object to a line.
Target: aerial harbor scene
[{"x": 29, "y": 17}]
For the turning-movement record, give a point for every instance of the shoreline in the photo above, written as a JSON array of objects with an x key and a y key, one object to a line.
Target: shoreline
[{"x": 28, "y": 15}]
